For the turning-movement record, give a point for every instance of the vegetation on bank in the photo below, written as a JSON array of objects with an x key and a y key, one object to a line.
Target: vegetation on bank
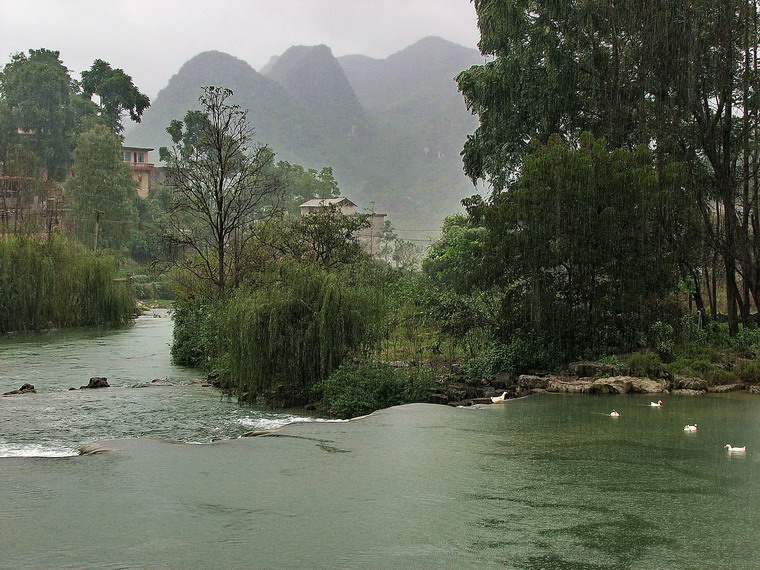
[{"x": 58, "y": 284}]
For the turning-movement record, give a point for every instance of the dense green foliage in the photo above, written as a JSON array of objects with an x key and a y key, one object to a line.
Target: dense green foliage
[
  {"x": 356, "y": 390},
  {"x": 42, "y": 109},
  {"x": 576, "y": 249},
  {"x": 303, "y": 184},
  {"x": 196, "y": 333},
  {"x": 36, "y": 94},
  {"x": 153, "y": 287},
  {"x": 614, "y": 70},
  {"x": 291, "y": 334},
  {"x": 57, "y": 284}
]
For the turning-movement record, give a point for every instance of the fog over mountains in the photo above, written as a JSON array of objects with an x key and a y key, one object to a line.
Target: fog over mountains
[{"x": 392, "y": 129}]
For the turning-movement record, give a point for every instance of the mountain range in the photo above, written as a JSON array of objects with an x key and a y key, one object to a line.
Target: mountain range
[{"x": 391, "y": 129}]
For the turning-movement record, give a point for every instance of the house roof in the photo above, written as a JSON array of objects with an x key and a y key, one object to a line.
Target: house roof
[{"x": 322, "y": 202}]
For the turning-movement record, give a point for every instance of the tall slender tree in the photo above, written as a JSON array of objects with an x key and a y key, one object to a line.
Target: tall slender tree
[
  {"x": 223, "y": 182},
  {"x": 102, "y": 191}
]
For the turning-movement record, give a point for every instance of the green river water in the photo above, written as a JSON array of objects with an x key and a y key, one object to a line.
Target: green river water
[{"x": 548, "y": 481}]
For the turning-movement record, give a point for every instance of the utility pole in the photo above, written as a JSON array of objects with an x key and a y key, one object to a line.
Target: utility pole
[{"x": 97, "y": 228}]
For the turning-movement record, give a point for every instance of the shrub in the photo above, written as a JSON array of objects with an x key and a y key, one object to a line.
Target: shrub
[
  {"x": 355, "y": 390},
  {"x": 196, "y": 327},
  {"x": 661, "y": 338},
  {"x": 521, "y": 354},
  {"x": 644, "y": 363},
  {"x": 746, "y": 342},
  {"x": 148, "y": 287},
  {"x": 748, "y": 371},
  {"x": 612, "y": 360},
  {"x": 718, "y": 376}
]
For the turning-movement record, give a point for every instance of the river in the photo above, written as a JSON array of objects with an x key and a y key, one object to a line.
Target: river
[{"x": 549, "y": 481}]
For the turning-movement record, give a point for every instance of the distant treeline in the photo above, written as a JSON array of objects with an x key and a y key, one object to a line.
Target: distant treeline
[{"x": 58, "y": 284}]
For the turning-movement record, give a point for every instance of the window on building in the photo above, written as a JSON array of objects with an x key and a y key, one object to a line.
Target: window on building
[
  {"x": 127, "y": 156},
  {"x": 139, "y": 157}
]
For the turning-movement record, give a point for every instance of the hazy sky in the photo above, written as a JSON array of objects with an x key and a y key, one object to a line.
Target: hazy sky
[{"x": 150, "y": 40}]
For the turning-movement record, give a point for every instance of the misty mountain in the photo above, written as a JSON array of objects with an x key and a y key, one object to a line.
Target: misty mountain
[
  {"x": 315, "y": 78},
  {"x": 278, "y": 119},
  {"x": 392, "y": 129}
]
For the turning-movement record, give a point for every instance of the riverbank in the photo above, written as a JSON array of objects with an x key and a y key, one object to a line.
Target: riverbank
[{"x": 579, "y": 378}]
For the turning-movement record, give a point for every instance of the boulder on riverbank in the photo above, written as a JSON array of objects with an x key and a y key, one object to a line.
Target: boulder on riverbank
[
  {"x": 96, "y": 382},
  {"x": 724, "y": 388},
  {"x": 25, "y": 389},
  {"x": 533, "y": 382},
  {"x": 688, "y": 383},
  {"x": 565, "y": 386},
  {"x": 612, "y": 385}
]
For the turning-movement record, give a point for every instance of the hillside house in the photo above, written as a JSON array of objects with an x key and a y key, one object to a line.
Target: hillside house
[
  {"x": 370, "y": 237},
  {"x": 143, "y": 171}
]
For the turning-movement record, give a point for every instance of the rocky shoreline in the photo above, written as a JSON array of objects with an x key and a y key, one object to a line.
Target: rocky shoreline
[{"x": 579, "y": 378}]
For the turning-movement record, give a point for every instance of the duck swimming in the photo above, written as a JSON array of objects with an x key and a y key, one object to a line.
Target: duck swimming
[
  {"x": 615, "y": 414},
  {"x": 499, "y": 399},
  {"x": 737, "y": 449},
  {"x": 657, "y": 404},
  {"x": 690, "y": 428}
]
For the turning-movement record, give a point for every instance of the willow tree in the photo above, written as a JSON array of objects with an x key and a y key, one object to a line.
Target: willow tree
[
  {"x": 286, "y": 336},
  {"x": 223, "y": 183},
  {"x": 58, "y": 284}
]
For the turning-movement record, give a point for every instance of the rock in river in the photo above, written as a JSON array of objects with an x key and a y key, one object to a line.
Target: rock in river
[
  {"x": 96, "y": 382},
  {"x": 25, "y": 389}
]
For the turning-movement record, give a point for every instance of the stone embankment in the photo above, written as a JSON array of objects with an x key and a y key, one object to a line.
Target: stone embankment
[{"x": 580, "y": 378}]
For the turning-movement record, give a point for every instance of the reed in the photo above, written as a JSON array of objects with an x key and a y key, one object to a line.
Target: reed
[{"x": 58, "y": 284}]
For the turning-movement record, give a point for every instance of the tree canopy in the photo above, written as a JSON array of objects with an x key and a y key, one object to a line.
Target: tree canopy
[
  {"x": 44, "y": 110},
  {"x": 118, "y": 95},
  {"x": 36, "y": 92},
  {"x": 615, "y": 70}
]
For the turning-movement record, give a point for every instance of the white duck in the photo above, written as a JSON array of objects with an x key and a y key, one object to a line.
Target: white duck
[
  {"x": 499, "y": 399},
  {"x": 737, "y": 449},
  {"x": 657, "y": 404},
  {"x": 690, "y": 428},
  {"x": 615, "y": 414}
]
